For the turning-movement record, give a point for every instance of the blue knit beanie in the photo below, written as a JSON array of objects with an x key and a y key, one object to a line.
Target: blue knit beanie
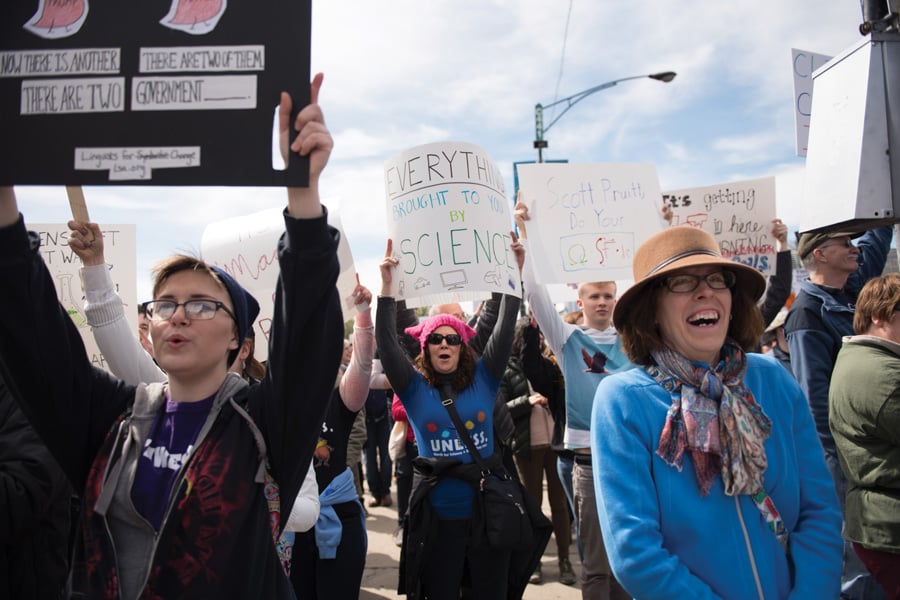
[{"x": 246, "y": 308}]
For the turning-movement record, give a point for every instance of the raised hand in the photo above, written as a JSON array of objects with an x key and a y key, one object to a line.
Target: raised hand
[
  {"x": 87, "y": 242},
  {"x": 780, "y": 233},
  {"x": 520, "y": 214},
  {"x": 362, "y": 297},
  {"x": 313, "y": 140},
  {"x": 387, "y": 266},
  {"x": 518, "y": 250}
]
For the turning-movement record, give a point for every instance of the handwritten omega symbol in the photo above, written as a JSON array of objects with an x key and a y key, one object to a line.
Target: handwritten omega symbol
[{"x": 577, "y": 255}]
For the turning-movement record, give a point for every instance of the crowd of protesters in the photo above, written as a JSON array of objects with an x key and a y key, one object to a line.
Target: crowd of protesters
[{"x": 703, "y": 435}]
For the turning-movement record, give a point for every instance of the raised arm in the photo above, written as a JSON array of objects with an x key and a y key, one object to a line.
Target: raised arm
[
  {"x": 485, "y": 322},
  {"x": 313, "y": 140},
  {"x": 305, "y": 341},
  {"x": 499, "y": 345},
  {"x": 354, "y": 384},
  {"x": 873, "y": 246},
  {"x": 69, "y": 403},
  {"x": 556, "y": 331},
  {"x": 778, "y": 285},
  {"x": 105, "y": 312},
  {"x": 397, "y": 367}
]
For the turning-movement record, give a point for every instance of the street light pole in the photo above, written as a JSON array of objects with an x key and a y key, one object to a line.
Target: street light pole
[{"x": 539, "y": 129}]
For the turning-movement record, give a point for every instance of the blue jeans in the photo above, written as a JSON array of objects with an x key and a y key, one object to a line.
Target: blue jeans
[
  {"x": 856, "y": 581},
  {"x": 378, "y": 461}
]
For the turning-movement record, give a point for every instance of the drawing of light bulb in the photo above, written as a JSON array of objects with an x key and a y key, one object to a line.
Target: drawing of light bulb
[
  {"x": 57, "y": 19},
  {"x": 196, "y": 17},
  {"x": 68, "y": 300}
]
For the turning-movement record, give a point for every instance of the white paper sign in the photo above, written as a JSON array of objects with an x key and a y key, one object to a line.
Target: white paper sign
[
  {"x": 804, "y": 63},
  {"x": 449, "y": 218},
  {"x": 120, "y": 251},
  {"x": 246, "y": 248},
  {"x": 588, "y": 220},
  {"x": 739, "y": 214}
]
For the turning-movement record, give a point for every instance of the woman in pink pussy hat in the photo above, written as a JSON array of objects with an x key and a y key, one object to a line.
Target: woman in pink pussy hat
[{"x": 444, "y": 535}]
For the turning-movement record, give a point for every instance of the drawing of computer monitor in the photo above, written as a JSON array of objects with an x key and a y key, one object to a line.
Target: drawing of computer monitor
[{"x": 454, "y": 280}]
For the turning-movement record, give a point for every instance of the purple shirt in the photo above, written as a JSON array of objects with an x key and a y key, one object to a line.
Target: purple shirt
[{"x": 171, "y": 438}]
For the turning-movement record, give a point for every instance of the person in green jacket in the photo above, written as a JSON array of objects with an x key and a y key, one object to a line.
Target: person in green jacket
[{"x": 864, "y": 416}]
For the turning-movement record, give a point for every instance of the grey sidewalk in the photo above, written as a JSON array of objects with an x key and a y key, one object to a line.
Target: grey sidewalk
[{"x": 383, "y": 561}]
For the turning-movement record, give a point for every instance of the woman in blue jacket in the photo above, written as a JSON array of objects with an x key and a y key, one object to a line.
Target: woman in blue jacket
[{"x": 710, "y": 480}]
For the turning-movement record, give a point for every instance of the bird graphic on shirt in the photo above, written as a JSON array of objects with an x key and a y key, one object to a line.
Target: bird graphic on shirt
[{"x": 595, "y": 363}]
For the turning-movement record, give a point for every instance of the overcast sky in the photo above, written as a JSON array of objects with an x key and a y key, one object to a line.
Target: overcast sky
[{"x": 403, "y": 73}]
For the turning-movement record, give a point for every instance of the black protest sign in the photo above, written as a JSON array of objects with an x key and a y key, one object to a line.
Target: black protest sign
[{"x": 157, "y": 92}]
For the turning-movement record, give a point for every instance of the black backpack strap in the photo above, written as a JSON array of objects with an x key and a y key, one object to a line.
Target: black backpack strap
[{"x": 449, "y": 402}]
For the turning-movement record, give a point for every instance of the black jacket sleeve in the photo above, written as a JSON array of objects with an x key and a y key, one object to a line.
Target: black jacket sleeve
[
  {"x": 305, "y": 346},
  {"x": 486, "y": 322},
  {"x": 778, "y": 287},
  {"x": 70, "y": 403},
  {"x": 499, "y": 345},
  {"x": 397, "y": 367},
  {"x": 406, "y": 317}
]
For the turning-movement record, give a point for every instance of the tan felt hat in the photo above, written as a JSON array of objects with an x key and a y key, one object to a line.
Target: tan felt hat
[{"x": 676, "y": 248}]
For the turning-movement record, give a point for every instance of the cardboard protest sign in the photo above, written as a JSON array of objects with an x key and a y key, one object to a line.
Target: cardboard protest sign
[
  {"x": 449, "y": 218},
  {"x": 246, "y": 248},
  {"x": 179, "y": 92},
  {"x": 119, "y": 246},
  {"x": 804, "y": 63},
  {"x": 739, "y": 214},
  {"x": 587, "y": 220}
]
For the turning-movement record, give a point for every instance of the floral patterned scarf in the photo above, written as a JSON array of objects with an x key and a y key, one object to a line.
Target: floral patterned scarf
[{"x": 715, "y": 418}]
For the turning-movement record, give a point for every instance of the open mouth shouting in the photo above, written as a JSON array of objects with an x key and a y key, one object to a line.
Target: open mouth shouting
[{"x": 704, "y": 318}]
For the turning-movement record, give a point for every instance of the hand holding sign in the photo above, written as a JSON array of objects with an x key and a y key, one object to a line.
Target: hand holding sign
[
  {"x": 362, "y": 297},
  {"x": 86, "y": 241},
  {"x": 780, "y": 232},
  {"x": 313, "y": 141},
  {"x": 78, "y": 205},
  {"x": 520, "y": 214},
  {"x": 518, "y": 250}
]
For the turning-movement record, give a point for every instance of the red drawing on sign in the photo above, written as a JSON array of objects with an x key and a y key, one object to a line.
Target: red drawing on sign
[
  {"x": 56, "y": 19},
  {"x": 196, "y": 17}
]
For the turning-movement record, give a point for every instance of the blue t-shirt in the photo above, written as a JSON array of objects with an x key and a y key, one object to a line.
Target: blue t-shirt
[
  {"x": 171, "y": 439},
  {"x": 437, "y": 436}
]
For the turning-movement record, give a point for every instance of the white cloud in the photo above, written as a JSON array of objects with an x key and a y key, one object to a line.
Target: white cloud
[{"x": 403, "y": 73}]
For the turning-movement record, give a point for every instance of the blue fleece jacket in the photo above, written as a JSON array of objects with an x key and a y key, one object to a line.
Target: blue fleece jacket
[{"x": 665, "y": 540}]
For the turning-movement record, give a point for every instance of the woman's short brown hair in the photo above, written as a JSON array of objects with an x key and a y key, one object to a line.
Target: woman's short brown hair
[
  {"x": 176, "y": 264},
  {"x": 640, "y": 332},
  {"x": 878, "y": 299}
]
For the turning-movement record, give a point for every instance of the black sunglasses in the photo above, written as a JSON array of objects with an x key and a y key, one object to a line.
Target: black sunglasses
[{"x": 453, "y": 339}]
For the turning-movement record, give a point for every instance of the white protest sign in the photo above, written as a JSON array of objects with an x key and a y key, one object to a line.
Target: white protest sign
[
  {"x": 804, "y": 63},
  {"x": 739, "y": 214},
  {"x": 119, "y": 247},
  {"x": 449, "y": 218},
  {"x": 586, "y": 221},
  {"x": 246, "y": 248}
]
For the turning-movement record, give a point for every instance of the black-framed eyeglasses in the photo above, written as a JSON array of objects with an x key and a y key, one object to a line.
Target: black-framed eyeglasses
[
  {"x": 195, "y": 310},
  {"x": 686, "y": 283},
  {"x": 453, "y": 339}
]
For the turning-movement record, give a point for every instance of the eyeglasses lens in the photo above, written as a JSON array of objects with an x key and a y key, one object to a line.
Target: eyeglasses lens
[
  {"x": 453, "y": 339},
  {"x": 683, "y": 284}
]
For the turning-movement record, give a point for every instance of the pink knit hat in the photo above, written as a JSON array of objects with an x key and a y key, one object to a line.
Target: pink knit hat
[{"x": 427, "y": 326}]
